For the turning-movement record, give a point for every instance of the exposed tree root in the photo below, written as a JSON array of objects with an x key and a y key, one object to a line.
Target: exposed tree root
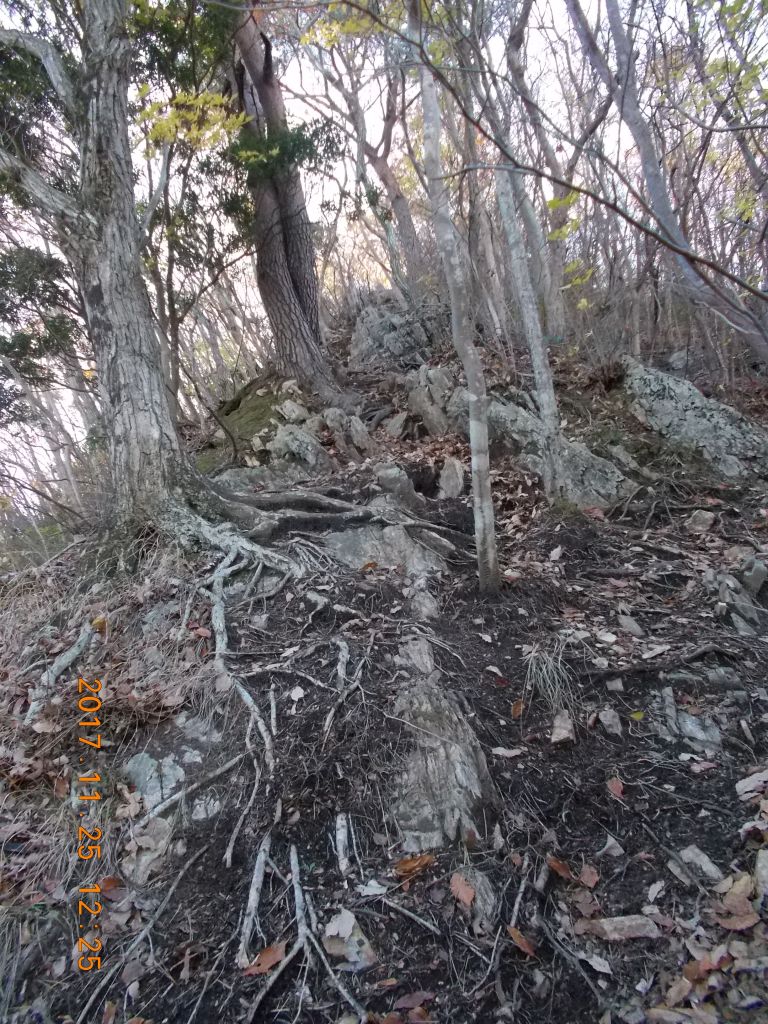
[{"x": 306, "y": 942}]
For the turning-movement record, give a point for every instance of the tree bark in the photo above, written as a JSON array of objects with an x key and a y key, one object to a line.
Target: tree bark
[
  {"x": 286, "y": 274},
  {"x": 146, "y": 457},
  {"x": 448, "y": 245}
]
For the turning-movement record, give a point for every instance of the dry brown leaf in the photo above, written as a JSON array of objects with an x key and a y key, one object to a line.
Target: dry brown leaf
[
  {"x": 110, "y": 1012},
  {"x": 560, "y": 868},
  {"x": 517, "y": 708},
  {"x": 589, "y": 876},
  {"x": 461, "y": 889},
  {"x": 678, "y": 991},
  {"x": 739, "y": 922},
  {"x": 268, "y": 958},
  {"x": 418, "y": 1014},
  {"x": 523, "y": 944},
  {"x": 616, "y": 787},
  {"x": 413, "y": 999},
  {"x": 410, "y": 866}
]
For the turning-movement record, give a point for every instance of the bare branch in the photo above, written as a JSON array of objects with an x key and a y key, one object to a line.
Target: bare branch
[
  {"x": 49, "y": 200},
  {"x": 51, "y": 60}
]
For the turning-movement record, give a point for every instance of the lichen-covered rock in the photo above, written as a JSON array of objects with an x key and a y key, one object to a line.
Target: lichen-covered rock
[
  {"x": 389, "y": 546},
  {"x": 451, "y": 480},
  {"x": 585, "y": 479},
  {"x": 290, "y": 440},
  {"x": 387, "y": 335},
  {"x": 446, "y": 786},
  {"x": 736, "y": 446}
]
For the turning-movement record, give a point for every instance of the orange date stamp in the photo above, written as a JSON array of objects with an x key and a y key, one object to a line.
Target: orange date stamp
[{"x": 89, "y": 908}]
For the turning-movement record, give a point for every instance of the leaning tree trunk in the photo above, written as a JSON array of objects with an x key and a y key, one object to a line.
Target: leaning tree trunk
[
  {"x": 448, "y": 245},
  {"x": 286, "y": 274}
]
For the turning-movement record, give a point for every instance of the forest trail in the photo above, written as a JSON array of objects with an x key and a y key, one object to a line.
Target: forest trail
[{"x": 364, "y": 792}]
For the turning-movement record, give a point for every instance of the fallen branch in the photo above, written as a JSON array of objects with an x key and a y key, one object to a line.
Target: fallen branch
[
  {"x": 48, "y": 679},
  {"x": 163, "y": 806},
  {"x": 254, "y": 898},
  {"x": 117, "y": 967}
]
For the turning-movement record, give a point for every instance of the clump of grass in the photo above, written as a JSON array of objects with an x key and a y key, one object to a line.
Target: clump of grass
[{"x": 548, "y": 677}]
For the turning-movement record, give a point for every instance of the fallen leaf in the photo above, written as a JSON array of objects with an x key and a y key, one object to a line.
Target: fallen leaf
[
  {"x": 589, "y": 876},
  {"x": 100, "y": 624},
  {"x": 461, "y": 889},
  {"x": 506, "y": 752},
  {"x": 560, "y": 868},
  {"x": 523, "y": 944},
  {"x": 110, "y": 1012},
  {"x": 112, "y": 887},
  {"x": 410, "y": 866},
  {"x": 752, "y": 785},
  {"x": 203, "y": 632},
  {"x": 418, "y": 1015},
  {"x": 341, "y": 925},
  {"x": 266, "y": 960},
  {"x": 598, "y": 963},
  {"x": 678, "y": 991},
  {"x": 739, "y": 922},
  {"x": 369, "y": 566},
  {"x": 413, "y": 999},
  {"x": 616, "y": 787},
  {"x": 517, "y": 708},
  {"x": 556, "y": 554},
  {"x": 637, "y": 716}
]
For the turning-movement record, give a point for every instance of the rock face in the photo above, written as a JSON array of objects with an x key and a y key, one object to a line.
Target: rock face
[
  {"x": 446, "y": 784},
  {"x": 587, "y": 479},
  {"x": 737, "y": 447},
  {"x": 387, "y": 336},
  {"x": 388, "y": 546}
]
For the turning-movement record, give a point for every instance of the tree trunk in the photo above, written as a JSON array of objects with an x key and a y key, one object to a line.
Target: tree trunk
[
  {"x": 146, "y": 456},
  {"x": 448, "y": 245},
  {"x": 287, "y": 277},
  {"x": 526, "y": 298}
]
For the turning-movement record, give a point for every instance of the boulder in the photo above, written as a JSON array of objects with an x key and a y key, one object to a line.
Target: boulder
[
  {"x": 446, "y": 788},
  {"x": 390, "y": 546},
  {"x": 387, "y": 335},
  {"x": 735, "y": 445}
]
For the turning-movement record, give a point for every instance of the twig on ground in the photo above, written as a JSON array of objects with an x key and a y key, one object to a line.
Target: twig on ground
[
  {"x": 236, "y": 830},
  {"x": 104, "y": 983},
  {"x": 254, "y": 897},
  {"x": 48, "y": 679},
  {"x": 305, "y": 939},
  {"x": 163, "y": 806},
  {"x": 572, "y": 959}
]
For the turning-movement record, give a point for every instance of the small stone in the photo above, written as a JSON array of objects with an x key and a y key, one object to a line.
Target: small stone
[
  {"x": 451, "y": 479},
  {"x": 754, "y": 576},
  {"x": 761, "y": 874},
  {"x": 359, "y": 433},
  {"x": 619, "y": 929},
  {"x": 741, "y": 626},
  {"x": 615, "y": 685},
  {"x": 610, "y": 721},
  {"x": 424, "y": 606},
  {"x": 257, "y": 444},
  {"x": 562, "y": 729},
  {"x": 700, "y": 521},
  {"x": 395, "y": 425},
  {"x": 630, "y": 625},
  {"x": 293, "y": 412}
]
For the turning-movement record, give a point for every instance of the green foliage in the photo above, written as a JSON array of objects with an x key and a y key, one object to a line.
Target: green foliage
[
  {"x": 312, "y": 145},
  {"x": 200, "y": 120}
]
